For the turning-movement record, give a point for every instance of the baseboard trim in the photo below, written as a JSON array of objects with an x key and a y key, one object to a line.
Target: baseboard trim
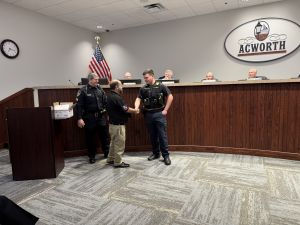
[
  {"x": 197, "y": 148},
  {"x": 239, "y": 151}
]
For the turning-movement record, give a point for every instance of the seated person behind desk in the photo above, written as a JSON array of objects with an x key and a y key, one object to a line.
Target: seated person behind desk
[
  {"x": 209, "y": 78},
  {"x": 168, "y": 75},
  {"x": 127, "y": 76},
  {"x": 129, "y": 80},
  {"x": 252, "y": 75}
]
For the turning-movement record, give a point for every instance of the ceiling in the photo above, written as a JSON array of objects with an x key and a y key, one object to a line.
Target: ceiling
[{"x": 120, "y": 14}]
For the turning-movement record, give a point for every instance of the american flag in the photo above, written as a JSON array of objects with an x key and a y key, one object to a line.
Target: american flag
[{"x": 99, "y": 65}]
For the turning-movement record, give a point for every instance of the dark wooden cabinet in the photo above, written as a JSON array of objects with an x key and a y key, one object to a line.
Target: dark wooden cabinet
[{"x": 35, "y": 143}]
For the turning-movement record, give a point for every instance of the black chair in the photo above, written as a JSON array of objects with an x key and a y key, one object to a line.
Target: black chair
[
  {"x": 263, "y": 77},
  {"x": 85, "y": 81}
]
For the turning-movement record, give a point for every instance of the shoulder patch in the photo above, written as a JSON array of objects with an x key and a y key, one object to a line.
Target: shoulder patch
[{"x": 78, "y": 93}]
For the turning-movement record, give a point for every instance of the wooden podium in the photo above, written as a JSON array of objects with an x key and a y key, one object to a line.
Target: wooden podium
[{"x": 35, "y": 143}]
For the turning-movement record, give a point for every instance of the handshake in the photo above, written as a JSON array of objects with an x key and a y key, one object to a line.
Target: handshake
[{"x": 135, "y": 111}]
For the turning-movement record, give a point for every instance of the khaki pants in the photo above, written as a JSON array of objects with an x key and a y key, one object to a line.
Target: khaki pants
[{"x": 117, "y": 143}]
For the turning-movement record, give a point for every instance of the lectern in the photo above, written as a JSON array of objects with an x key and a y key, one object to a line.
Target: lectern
[{"x": 35, "y": 143}]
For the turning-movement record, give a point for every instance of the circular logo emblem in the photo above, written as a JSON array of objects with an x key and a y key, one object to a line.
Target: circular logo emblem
[{"x": 261, "y": 30}]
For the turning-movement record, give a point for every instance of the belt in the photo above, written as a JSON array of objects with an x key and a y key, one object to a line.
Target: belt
[
  {"x": 95, "y": 114},
  {"x": 152, "y": 110},
  {"x": 117, "y": 123}
]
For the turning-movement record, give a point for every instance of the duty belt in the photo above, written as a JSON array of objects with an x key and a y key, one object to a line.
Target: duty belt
[
  {"x": 153, "y": 110},
  {"x": 96, "y": 114}
]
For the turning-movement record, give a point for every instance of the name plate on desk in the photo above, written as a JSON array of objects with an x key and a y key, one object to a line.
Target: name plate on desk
[
  {"x": 209, "y": 81},
  {"x": 255, "y": 78},
  {"x": 169, "y": 81},
  {"x": 129, "y": 83}
]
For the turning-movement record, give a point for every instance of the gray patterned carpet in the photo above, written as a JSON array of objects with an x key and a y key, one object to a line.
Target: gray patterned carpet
[{"x": 197, "y": 189}]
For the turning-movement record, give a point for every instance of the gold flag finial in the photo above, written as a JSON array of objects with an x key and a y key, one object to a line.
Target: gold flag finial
[{"x": 97, "y": 38}]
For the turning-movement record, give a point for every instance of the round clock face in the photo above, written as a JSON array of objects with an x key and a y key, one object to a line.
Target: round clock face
[{"x": 9, "y": 48}]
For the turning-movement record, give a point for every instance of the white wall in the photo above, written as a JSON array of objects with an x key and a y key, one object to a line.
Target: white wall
[
  {"x": 193, "y": 46},
  {"x": 51, "y": 52}
]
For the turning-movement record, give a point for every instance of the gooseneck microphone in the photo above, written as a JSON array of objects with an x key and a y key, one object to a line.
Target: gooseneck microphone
[{"x": 72, "y": 83}]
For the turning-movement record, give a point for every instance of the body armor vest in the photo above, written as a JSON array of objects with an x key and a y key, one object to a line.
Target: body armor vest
[{"x": 153, "y": 97}]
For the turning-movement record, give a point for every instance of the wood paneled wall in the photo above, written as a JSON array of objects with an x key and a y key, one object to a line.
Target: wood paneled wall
[
  {"x": 257, "y": 119},
  {"x": 23, "y": 98}
]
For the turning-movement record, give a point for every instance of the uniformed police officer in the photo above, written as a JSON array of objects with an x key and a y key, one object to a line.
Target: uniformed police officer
[
  {"x": 156, "y": 99},
  {"x": 91, "y": 108}
]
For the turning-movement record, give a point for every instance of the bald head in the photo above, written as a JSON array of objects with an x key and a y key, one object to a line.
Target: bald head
[
  {"x": 168, "y": 75},
  {"x": 127, "y": 75},
  {"x": 116, "y": 85},
  {"x": 209, "y": 76},
  {"x": 252, "y": 73}
]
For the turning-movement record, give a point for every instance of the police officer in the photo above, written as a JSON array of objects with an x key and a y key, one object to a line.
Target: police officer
[
  {"x": 156, "y": 99},
  {"x": 91, "y": 108}
]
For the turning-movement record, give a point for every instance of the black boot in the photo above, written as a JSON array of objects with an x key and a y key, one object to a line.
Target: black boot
[
  {"x": 153, "y": 156},
  {"x": 167, "y": 160},
  {"x": 92, "y": 160}
]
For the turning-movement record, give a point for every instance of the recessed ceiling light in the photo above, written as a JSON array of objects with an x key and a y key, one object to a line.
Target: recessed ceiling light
[
  {"x": 154, "y": 8},
  {"x": 99, "y": 27}
]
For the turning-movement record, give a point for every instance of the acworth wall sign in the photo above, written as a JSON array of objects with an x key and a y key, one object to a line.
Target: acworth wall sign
[{"x": 263, "y": 40}]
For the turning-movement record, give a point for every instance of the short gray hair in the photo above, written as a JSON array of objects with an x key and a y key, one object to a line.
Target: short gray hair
[{"x": 91, "y": 76}]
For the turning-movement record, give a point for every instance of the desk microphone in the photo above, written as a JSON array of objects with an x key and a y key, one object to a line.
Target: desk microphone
[
  {"x": 72, "y": 83},
  {"x": 73, "y": 105}
]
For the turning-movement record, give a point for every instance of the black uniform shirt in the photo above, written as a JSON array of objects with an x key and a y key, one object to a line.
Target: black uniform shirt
[
  {"x": 152, "y": 92},
  {"x": 90, "y": 100},
  {"x": 117, "y": 109}
]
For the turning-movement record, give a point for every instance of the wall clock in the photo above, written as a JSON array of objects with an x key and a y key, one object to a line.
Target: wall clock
[{"x": 9, "y": 48}]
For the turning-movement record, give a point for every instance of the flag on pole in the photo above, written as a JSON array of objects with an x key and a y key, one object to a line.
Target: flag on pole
[{"x": 99, "y": 65}]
